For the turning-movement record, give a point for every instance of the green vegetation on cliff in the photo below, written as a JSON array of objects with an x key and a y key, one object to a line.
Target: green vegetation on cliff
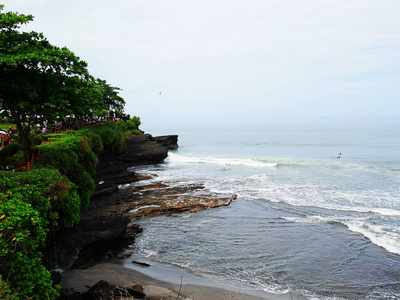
[
  {"x": 35, "y": 204},
  {"x": 40, "y": 82},
  {"x": 31, "y": 205}
]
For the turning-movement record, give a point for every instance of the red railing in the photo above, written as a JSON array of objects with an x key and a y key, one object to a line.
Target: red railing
[{"x": 30, "y": 161}]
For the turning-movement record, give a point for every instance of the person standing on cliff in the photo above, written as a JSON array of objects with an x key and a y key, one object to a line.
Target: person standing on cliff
[{"x": 5, "y": 140}]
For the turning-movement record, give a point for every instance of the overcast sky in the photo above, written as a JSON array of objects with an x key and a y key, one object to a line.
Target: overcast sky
[{"x": 234, "y": 57}]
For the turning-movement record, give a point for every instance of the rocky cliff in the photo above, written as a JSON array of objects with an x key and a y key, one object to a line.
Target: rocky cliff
[{"x": 106, "y": 228}]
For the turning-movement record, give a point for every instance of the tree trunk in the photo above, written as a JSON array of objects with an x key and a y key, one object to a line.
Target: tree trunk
[{"x": 24, "y": 138}]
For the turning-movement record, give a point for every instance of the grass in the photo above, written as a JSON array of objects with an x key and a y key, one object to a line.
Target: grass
[{"x": 6, "y": 125}]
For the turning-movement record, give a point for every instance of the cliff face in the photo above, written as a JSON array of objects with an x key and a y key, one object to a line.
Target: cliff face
[
  {"x": 106, "y": 229},
  {"x": 145, "y": 149},
  {"x": 101, "y": 229}
]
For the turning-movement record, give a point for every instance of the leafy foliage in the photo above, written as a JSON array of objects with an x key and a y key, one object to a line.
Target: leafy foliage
[
  {"x": 92, "y": 138},
  {"x": 130, "y": 126},
  {"x": 111, "y": 135},
  {"x": 38, "y": 78},
  {"x": 8, "y": 151},
  {"x": 73, "y": 157},
  {"x": 32, "y": 204}
]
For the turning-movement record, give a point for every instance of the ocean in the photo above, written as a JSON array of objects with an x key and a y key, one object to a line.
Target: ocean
[{"x": 317, "y": 212}]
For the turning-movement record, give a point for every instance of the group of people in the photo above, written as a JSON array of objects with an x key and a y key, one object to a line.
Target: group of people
[
  {"x": 43, "y": 127},
  {"x": 6, "y": 136},
  {"x": 56, "y": 126}
]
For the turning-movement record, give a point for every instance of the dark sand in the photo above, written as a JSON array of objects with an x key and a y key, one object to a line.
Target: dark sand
[{"x": 121, "y": 276}]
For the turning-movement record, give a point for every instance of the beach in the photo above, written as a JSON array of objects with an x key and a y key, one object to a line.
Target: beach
[{"x": 118, "y": 275}]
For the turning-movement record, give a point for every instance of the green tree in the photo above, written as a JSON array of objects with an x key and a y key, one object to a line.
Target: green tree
[
  {"x": 96, "y": 97},
  {"x": 37, "y": 78}
]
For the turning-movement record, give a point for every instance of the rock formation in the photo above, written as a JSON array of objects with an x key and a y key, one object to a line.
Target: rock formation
[
  {"x": 106, "y": 224},
  {"x": 144, "y": 149}
]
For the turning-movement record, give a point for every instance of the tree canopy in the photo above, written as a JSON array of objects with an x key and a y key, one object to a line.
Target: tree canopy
[{"x": 38, "y": 78}]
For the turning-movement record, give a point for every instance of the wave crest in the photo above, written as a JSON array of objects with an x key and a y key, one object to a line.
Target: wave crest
[{"x": 225, "y": 161}]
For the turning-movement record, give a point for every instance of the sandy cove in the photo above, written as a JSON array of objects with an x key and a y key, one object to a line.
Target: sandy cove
[
  {"x": 149, "y": 200},
  {"x": 88, "y": 259},
  {"x": 118, "y": 275}
]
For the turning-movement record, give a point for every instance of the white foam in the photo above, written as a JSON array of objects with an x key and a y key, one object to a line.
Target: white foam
[
  {"x": 307, "y": 220},
  {"x": 385, "y": 236},
  {"x": 379, "y": 235},
  {"x": 275, "y": 289},
  {"x": 143, "y": 207},
  {"x": 225, "y": 161},
  {"x": 376, "y": 210},
  {"x": 372, "y": 201},
  {"x": 386, "y": 211},
  {"x": 149, "y": 253}
]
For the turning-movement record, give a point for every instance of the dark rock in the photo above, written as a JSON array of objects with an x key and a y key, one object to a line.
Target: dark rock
[
  {"x": 168, "y": 141},
  {"x": 56, "y": 276},
  {"x": 109, "y": 164},
  {"x": 101, "y": 290},
  {"x": 90, "y": 242},
  {"x": 143, "y": 149},
  {"x": 106, "y": 229},
  {"x": 142, "y": 264},
  {"x": 103, "y": 230},
  {"x": 112, "y": 169},
  {"x": 136, "y": 291},
  {"x": 103, "y": 238},
  {"x": 70, "y": 294},
  {"x": 110, "y": 173}
]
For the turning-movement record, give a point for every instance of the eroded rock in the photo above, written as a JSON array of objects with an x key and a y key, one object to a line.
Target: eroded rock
[
  {"x": 157, "y": 199},
  {"x": 143, "y": 149},
  {"x": 106, "y": 229}
]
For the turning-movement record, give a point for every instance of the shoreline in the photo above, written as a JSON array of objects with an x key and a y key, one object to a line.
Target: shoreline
[
  {"x": 159, "y": 282},
  {"x": 156, "y": 281}
]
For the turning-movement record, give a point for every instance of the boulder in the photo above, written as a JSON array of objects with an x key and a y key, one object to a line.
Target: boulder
[
  {"x": 143, "y": 149},
  {"x": 103, "y": 290},
  {"x": 168, "y": 141},
  {"x": 93, "y": 239}
]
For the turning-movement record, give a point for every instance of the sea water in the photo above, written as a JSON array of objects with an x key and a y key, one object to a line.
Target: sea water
[{"x": 317, "y": 212}]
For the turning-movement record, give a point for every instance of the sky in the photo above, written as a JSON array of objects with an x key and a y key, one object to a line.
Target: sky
[{"x": 233, "y": 57}]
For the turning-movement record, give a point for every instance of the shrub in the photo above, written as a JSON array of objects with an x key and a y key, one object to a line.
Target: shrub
[
  {"x": 111, "y": 135},
  {"x": 85, "y": 184},
  {"x": 93, "y": 138},
  {"x": 22, "y": 235},
  {"x": 49, "y": 192},
  {"x": 73, "y": 157},
  {"x": 130, "y": 126},
  {"x": 36, "y": 139},
  {"x": 31, "y": 205},
  {"x": 48, "y": 198},
  {"x": 5, "y": 292},
  {"x": 8, "y": 151},
  {"x": 136, "y": 121}
]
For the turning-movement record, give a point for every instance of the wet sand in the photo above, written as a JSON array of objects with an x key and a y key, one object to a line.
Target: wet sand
[{"x": 118, "y": 275}]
